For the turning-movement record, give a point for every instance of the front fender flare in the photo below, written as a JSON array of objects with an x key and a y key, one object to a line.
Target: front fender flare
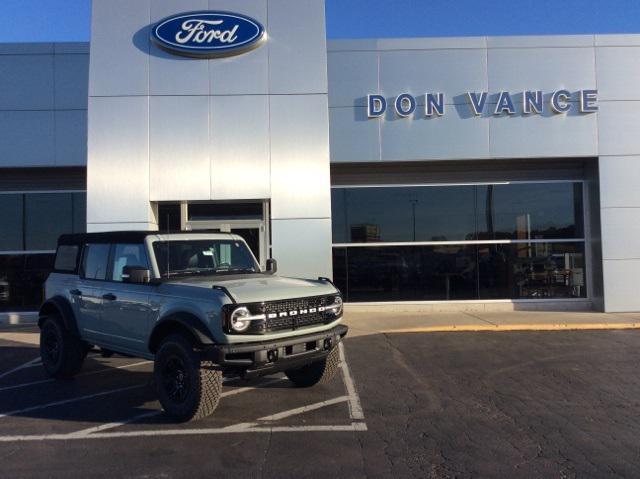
[{"x": 182, "y": 322}]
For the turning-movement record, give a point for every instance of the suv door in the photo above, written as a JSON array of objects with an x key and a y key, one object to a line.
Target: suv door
[
  {"x": 125, "y": 308},
  {"x": 86, "y": 298}
]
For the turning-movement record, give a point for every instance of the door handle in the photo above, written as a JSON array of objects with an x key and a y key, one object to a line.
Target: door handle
[
  {"x": 75, "y": 292},
  {"x": 109, "y": 297}
]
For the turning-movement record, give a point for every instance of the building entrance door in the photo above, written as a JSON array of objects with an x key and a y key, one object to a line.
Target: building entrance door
[{"x": 247, "y": 220}]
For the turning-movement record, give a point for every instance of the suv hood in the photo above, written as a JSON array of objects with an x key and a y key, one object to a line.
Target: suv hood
[{"x": 258, "y": 288}]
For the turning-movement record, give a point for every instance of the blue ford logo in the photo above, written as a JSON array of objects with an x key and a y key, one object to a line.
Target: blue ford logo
[{"x": 208, "y": 34}]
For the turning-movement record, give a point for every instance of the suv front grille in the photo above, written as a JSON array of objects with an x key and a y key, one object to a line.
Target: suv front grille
[{"x": 285, "y": 320}]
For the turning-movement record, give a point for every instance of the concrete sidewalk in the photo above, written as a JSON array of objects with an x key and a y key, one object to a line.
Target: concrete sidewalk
[
  {"x": 374, "y": 322},
  {"x": 363, "y": 323}
]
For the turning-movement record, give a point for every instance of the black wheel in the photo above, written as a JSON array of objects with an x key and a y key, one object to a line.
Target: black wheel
[
  {"x": 62, "y": 353},
  {"x": 320, "y": 372},
  {"x": 187, "y": 387}
]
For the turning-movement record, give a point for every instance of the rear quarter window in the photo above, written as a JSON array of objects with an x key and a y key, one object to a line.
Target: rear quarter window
[{"x": 66, "y": 258}]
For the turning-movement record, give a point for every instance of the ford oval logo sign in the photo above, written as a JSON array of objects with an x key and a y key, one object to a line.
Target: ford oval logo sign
[{"x": 208, "y": 34}]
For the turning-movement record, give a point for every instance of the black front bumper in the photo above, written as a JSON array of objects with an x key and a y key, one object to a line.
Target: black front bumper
[{"x": 268, "y": 357}]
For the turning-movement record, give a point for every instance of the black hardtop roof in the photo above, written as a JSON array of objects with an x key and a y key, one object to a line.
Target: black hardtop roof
[{"x": 115, "y": 236}]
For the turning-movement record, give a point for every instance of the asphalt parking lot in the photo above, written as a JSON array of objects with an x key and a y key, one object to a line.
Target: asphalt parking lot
[{"x": 516, "y": 404}]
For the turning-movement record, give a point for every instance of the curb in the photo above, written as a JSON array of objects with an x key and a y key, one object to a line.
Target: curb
[
  {"x": 19, "y": 318},
  {"x": 516, "y": 327}
]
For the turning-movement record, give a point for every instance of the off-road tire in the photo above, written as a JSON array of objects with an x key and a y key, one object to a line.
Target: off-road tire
[
  {"x": 62, "y": 352},
  {"x": 320, "y": 372},
  {"x": 199, "y": 393}
]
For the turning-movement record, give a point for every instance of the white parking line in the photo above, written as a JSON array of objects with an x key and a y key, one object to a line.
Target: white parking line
[
  {"x": 68, "y": 401},
  {"x": 98, "y": 432},
  {"x": 29, "y": 364},
  {"x": 355, "y": 407},
  {"x": 303, "y": 409},
  {"x": 249, "y": 388},
  {"x": 89, "y": 373},
  {"x": 112, "y": 425},
  {"x": 354, "y": 426},
  {"x": 241, "y": 428}
]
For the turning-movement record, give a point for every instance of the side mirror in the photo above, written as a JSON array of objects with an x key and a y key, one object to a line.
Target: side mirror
[
  {"x": 272, "y": 266},
  {"x": 136, "y": 274}
]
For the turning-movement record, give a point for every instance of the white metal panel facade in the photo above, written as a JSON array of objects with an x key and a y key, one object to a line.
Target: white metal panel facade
[
  {"x": 246, "y": 127},
  {"x": 166, "y": 128},
  {"x": 43, "y": 104},
  {"x": 515, "y": 64}
]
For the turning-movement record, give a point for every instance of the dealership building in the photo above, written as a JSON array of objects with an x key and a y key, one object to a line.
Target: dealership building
[{"x": 448, "y": 173}]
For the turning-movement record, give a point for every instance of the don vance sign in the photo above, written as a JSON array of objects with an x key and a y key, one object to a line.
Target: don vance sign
[{"x": 528, "y": 102}]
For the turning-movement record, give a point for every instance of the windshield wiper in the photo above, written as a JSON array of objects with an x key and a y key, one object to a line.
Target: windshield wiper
[
  {"x": 236, "y": 270},
  {"x": 193, "y": 272},
  {"x": 181, "y": 272}
]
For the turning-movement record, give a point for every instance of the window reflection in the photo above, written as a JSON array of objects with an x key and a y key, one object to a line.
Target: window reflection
[
  {"x": 127, "y": 255},
  {"x": 34, "y": 221},
  {"x": 532, "y": 271},
  {"x": 461, "y": 272},
  {"x": 401, "y": 214},
  {"x": 530, "y": 211},
  {"x": 47, "y": 216},
  {"x": 518, "y": 211},
  {"x": 406, "y": 273},
  {"x": 366, "y": 215},
  {"x": 95, "y": 261},
  {"x": 445, "y": 213}
]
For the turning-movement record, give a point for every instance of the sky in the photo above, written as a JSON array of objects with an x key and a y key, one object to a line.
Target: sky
[{"x": 69, "y": 20}]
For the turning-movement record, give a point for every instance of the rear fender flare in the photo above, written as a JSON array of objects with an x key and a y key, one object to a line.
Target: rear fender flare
[{"x": 60, "y": 306}]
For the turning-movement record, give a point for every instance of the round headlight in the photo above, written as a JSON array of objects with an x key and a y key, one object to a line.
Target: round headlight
[
  {"x": 335, "y": 307},
  {"x": 236, "y": 320}
]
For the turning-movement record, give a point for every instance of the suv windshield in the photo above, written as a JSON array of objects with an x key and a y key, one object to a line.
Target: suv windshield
[{"x": 184, "y": 257}]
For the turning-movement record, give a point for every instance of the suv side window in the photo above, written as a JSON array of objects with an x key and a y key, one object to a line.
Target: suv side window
[
  {"x": 95, "y": 260},
  {"x": 66, "y": 258},
  {"x": 128, "y": 255}
]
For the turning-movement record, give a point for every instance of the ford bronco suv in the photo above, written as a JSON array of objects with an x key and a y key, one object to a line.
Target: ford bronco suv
[{"x": 197, "y": 304}]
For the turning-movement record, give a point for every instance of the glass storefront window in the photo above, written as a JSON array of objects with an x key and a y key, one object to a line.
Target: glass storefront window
[
  {"x": 79, "y": 203},
  {"x": 460, "y": 272},
  {"x": 518, "y": 211},
  {"x": 11, "y": 213},
  {"x": 22, "y": 277},
  {"x": 532, "y": 271},
  {"x": 407, "y": 273},
  {"x": 514, "y": 214},
  {"x": 372, "y": 215},
  {"x": 32, "y": 222},
  {"x": 400, "y": 214},
  {"x": 445, "y": 214},
  {"x": 47, "y": 216},
  {"x": 169, "y": 216},
  {"x": 530, "y": 211},
  {"x": 224, "y": 211}
]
